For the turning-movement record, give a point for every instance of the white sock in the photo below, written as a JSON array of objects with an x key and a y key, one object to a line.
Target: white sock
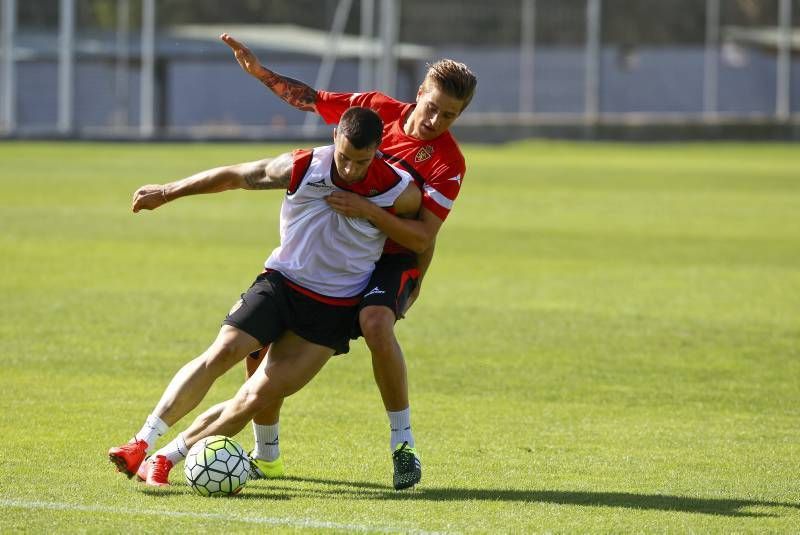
[
  {"x": 153, "y": 428},
  {"x": 175, "y": 451},
  {"x": 400, "y": 424},
  {"x": 266, "y": 442}
]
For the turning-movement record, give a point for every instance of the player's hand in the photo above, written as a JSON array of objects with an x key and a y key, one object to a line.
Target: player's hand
[
  {"x": 148, "y": 197},
  {"x": 349, "y": 204},
  {"x": 247, "y": 60}
]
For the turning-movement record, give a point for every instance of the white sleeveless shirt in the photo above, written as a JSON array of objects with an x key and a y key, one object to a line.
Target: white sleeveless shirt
[{"x": 324, "y": 251}]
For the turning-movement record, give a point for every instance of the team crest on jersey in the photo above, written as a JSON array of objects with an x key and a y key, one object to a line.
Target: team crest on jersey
[{"x": 424, "y": 153}]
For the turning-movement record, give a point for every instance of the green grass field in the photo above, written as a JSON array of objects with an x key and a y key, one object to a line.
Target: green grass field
[{"x": 608, "y": 341}]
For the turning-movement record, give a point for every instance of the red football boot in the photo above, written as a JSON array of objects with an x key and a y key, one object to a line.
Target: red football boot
[
  {"x": 128, "y": 457},
  {"x": 158, "y": 471}
]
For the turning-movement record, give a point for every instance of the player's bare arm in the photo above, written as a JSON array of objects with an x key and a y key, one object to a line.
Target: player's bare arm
[
  {"x": 270, "y": 173},
  {"x": 417, "y": 234},
  {"x": 293, "y": 92},
  {"x": 408, "y": 203},
  {"x": 274, "y": 173}
]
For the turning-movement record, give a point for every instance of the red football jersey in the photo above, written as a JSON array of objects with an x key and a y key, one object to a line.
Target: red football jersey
[{"x": 437, "y": 165}]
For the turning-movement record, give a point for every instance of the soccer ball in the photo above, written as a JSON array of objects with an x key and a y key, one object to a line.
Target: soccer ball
[{"x": 217, "y": 466}]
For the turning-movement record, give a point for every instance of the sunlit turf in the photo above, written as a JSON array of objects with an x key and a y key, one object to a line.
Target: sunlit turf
[{"x": 608, "y": 340}]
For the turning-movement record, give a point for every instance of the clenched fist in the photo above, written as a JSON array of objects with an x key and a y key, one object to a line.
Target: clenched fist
[{"x": 148, "y": 197}]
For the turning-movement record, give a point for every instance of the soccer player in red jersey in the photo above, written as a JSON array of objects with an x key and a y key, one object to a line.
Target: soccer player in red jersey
[{"x": 416, "y": 138}]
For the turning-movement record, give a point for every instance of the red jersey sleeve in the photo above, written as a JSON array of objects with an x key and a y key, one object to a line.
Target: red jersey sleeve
[
  {"x": 439, "y": 192},
  {"x": 331, "y": 106},
  {"x": 302, "y": 160}
]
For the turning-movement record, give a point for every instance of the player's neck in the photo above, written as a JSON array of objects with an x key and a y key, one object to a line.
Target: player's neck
[
  {"x": 338, "y": 181},
  {"x": 408, "y": 122}
]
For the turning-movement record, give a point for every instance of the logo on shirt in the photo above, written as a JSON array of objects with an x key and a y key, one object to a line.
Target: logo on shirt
[
  {"x": 319, "y": 184},
  {"x": 424, "y": 153}
]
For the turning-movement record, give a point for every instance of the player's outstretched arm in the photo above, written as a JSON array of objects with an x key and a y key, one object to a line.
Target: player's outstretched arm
[
  {"x": 293, "y": 92},
  {"x": 270, "y": 173},
  {"x": 275, "y": 173}
]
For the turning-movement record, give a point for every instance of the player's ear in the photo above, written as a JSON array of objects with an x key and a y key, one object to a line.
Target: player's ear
[{"x": 334, "y": 134}]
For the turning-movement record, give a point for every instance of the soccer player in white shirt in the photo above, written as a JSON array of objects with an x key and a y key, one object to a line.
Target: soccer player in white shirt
[{"x": 303, "y": 305}]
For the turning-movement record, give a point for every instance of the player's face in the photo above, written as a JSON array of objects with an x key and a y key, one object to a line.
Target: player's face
[
  {"x": 435, "y": 112},
  {"x": 351, "y": 164}
]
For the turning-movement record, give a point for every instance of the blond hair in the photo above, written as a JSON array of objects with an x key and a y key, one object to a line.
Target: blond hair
[{"x": 453, "y": 78}]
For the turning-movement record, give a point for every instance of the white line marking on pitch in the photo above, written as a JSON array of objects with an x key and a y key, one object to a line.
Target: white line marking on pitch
[{"x": 274, "y": 521}]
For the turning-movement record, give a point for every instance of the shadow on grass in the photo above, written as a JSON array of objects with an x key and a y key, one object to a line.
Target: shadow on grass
[
  {"x": 654, "y": 502},
  {"x": 285, "y": 489}
]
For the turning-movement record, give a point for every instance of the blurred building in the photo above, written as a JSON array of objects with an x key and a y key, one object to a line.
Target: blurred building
[{"x": 578, "y": 68}]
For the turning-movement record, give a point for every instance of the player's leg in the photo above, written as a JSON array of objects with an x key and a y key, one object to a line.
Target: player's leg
[
  {"x": 265, "y": 457},
  {"x": 291, "y": 363},
  {"x": 388, "y": 366},
  {"x": 193, "y": 380},
  {"x": 185, "y": 391},
  {"x": 328, "y": 323},
  {"x": 392, "y": 283},
  {"x": 388, "y": 363},
  {"x": 162, "y": 461},
  {"x": 251, "y": 323},
  {"x": 266, "y": 461},
  {"x": 176, "y": 451}
]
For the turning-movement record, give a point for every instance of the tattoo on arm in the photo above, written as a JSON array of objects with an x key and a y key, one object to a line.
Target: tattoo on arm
[
  {"x": 272, "y": 173},
  {"x": 294, "y": 92},
  {"x": 281, "y": 181},
  {"x": 279, "y": 171},
  {"x": 255, "y": 178}
]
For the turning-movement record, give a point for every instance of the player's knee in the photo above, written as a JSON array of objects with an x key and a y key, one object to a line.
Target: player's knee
[
  {"x": 223, "y": 354},
  {"x": 377, "y": 323}
]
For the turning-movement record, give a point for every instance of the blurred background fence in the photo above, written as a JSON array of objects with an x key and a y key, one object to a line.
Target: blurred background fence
[{"x": 582, "y": 68}]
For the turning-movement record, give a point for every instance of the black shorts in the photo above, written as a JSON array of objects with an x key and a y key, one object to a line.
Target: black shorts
[
  {"x": 273, "y": 306},
  {"x": 395, "y": 278}
]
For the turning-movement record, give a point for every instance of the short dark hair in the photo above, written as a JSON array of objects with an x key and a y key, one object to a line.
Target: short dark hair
[
  {"x": 453, "y": 78},
  {"x": 361, "y": 126}
]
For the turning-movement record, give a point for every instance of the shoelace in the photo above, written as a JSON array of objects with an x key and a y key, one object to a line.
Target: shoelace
[
  {"x": 133, "y": 446},
  {"x": 254, "y": 469},
  {"x": 402, "y": 455},
  {"x": 159, "y": 471}
]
